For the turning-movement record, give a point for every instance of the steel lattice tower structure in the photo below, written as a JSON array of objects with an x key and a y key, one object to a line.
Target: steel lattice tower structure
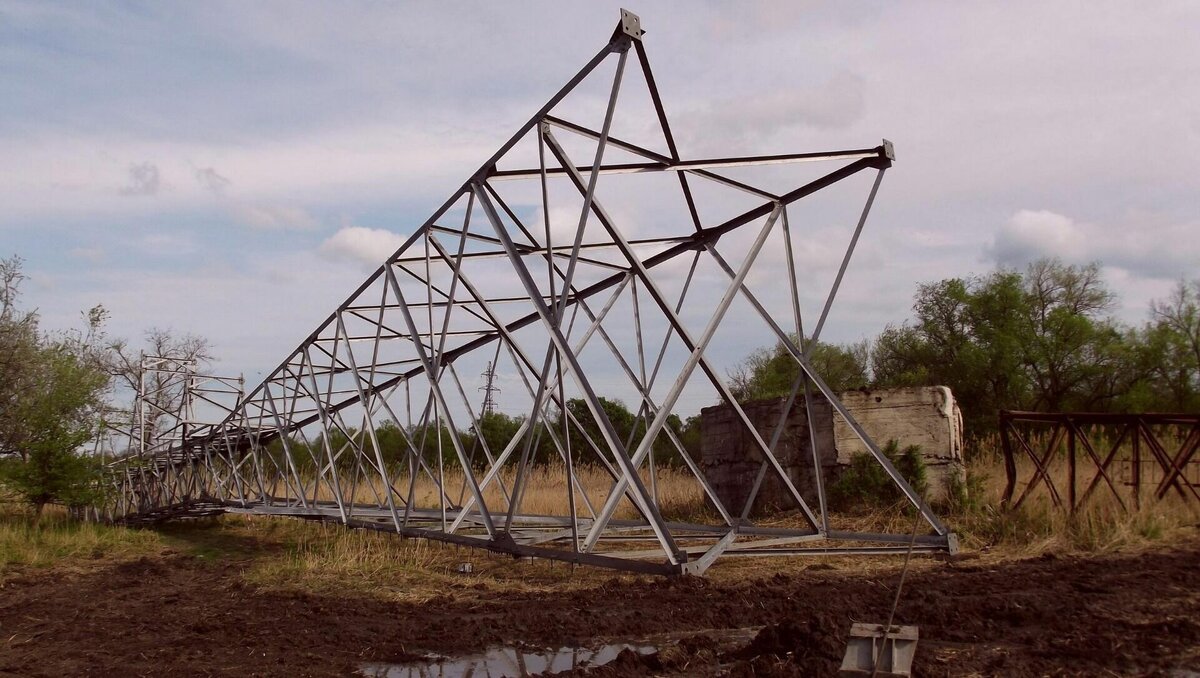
[
  {"x": 532, "y": 263},
  {"x": 489, "y": 389}
]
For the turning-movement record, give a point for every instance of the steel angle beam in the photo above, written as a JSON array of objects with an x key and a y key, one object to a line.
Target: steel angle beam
[{"x": 363, "y": 422}]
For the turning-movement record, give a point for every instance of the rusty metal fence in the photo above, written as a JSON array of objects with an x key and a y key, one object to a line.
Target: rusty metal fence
[{"x": 1072, "y": 455}]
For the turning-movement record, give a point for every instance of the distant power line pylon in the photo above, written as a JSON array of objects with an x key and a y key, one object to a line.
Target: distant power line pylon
[{"x": 489, "y": 388}]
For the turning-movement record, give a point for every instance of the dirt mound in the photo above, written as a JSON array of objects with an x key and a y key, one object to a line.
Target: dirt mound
[
  {"x": 813, "y": 646},
  {"x": 629, "y": 663}
]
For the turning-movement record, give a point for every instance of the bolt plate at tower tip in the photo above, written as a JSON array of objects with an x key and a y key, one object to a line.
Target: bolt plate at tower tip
[
  {"x": 889, "y": 151},
  {"x": 631, "y": 24}
]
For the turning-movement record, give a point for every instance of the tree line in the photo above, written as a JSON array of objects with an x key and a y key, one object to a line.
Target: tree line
[
  {"x": 1038, "y": 339},
  {"x": 55, "y": 395},
  {"x": 1041, "y": 339},
  {"x": 543, "y": 443}
]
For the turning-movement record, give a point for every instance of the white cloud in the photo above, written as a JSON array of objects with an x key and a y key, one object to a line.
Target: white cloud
[
  {"x": 46, "y": 175},
  {"x": 369, "y": 246},
  {"x": 564, "y": 223},
  {"x": 1032, "y": 234},
  {"x": 253, "y": 313},
  {"x": 1149, "y": 245},
  {"x": 839, "y": 102},
  {"x": 160, "y": 244},
  {"x": 275, "y": 218},
  {"x": 94, "y": 255},
  {"x": 369, "y": 116}
]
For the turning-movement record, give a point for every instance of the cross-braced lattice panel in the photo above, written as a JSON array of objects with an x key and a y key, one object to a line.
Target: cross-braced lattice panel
[{"x": 586, "y": 262}]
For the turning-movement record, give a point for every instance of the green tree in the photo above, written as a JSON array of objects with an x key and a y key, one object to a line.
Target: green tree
[
  {"x": 432, "y": 439},
  {"x": 588, "y": 428},
  {"x": 1038, "y": 340},
  {"x": 1069, "y": 346},
  {"x": 57, "y": 419},
  {"x": 392, "y": 446},
  {"x": 496, "y": 429},
  {"x": 771, "y": 372},
  {"x": 20, "y": 346},
  {"x": 51, "y": 391},
  {"x": 630, "y": 428},
  {"x": 966, "y": 334},
  {"x": 689, "y": 435},
  {"x": 1172, "y": 349}
]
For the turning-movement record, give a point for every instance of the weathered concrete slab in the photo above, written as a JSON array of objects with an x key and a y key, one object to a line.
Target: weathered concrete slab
[
  {"x": 731, "y": 459},
  {"x": 927, "y": 416},
  {"x": 923, "y": 416}
]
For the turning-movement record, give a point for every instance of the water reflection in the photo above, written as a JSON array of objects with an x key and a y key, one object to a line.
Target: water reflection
[{"x": 504, "y": 662}]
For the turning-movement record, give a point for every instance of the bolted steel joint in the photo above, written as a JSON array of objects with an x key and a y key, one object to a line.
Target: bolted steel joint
[{"x": 631, "y": 25}]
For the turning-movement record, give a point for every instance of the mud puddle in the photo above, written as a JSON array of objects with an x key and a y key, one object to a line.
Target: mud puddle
[
  {"x": 519, "y": 662},
  {"x": 505, "y": 662}
]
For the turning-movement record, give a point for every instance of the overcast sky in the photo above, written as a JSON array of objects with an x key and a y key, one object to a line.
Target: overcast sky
[{"x": 234, "y": 169}]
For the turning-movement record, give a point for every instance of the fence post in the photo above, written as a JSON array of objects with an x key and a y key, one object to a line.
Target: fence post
[
  {"x": 1135, "y": 474},
  {"x": 1010, "y": 464},
  {"x": 1071, "y": 464}
]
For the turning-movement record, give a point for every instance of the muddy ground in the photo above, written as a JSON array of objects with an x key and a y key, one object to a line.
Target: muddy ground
[{"x": 178, "y": 614}]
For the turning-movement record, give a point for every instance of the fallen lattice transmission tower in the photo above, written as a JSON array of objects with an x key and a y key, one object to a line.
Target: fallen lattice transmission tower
[{"x": 531, "y": 268}]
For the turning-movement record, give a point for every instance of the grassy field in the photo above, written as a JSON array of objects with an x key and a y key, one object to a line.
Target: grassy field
[
  {"x": 680, "y": 497},
  {"x": 249, "y": 595},
  {"x": 293, "y": 554},
  {"x": 1037, "y": 526},
  {"x": 57, "y": 538}
]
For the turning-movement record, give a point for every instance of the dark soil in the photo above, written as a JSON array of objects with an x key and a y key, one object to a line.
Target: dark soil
[{"x": 182, "y": 615}]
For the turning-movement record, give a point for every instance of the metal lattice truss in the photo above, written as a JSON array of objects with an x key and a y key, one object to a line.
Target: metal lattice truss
[
  {"x": 150, "y": 447},
  {"x": 170, "y": 392},
  {"x": 529, "y": 269}
]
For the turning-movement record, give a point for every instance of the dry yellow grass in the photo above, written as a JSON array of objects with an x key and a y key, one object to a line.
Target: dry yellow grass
[
  {"x": 58, "y": 538},
  {"x": 1100, "y": 524},
  {"x": 326, "y": 557},
  {"x": 680, "y": 496}
]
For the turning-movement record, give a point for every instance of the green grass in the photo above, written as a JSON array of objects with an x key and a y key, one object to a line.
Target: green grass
[{"x": 57, "y": 539}]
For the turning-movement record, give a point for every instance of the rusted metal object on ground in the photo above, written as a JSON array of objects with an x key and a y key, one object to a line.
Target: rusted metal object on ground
[{"x": 1133, "y": 457}]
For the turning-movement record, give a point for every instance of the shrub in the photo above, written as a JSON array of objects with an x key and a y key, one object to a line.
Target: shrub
[
  {"x": 964, "y": 495},
  {"x": 865, "y": 484}
]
